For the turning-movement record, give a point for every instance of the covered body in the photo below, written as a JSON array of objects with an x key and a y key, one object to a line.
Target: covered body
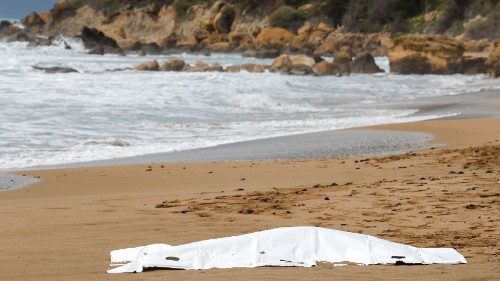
[{"x": 287, "y": 246}]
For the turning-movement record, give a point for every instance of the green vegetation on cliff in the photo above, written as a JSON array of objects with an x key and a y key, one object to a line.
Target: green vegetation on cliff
[{"x": 473, "y": 18}]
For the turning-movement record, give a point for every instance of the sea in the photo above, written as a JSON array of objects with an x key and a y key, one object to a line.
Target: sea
[{"x": 96, "y": 114}]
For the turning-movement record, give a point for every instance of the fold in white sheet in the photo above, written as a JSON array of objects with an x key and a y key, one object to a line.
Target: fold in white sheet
[{"x": 287, "y": 246}]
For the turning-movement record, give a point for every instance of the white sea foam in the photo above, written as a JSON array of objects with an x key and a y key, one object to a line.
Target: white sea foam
[{"x": 97, "y": 114}]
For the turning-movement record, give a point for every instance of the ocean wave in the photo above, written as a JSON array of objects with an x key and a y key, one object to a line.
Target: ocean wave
[{"x": 59, "y": 118}]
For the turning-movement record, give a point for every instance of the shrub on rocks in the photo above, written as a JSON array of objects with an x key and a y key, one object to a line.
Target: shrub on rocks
[
  {"x": 288, "y": 17},
  {"x": 182, "y": 6}
]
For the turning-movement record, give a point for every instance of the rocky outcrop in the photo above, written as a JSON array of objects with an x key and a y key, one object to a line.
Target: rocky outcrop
[
  {"x": 295, "y": 65},
  {"x": 154, "y": 27},
  {"x": 151, "y": 65},
  {"x": 342, "y": 65},
  {"x": 493, "y": 62},
  {"x": 365, "y": 63},
  {"x": 424, "y": 54},
  {"x": 310, "y": 37},
  {"x": 343, "y": 61},
  {"x": 284, "y": 64},
  {"x": 274, "y": 38},
  {"x": 10, "y": 32},
  {"x": 376, "y": 44},
  {"x": 157, "y": 27},
  {"x": 411, "y": 64},
  {"x": 220, "y": 47},
  {"x": 173, "y": 65},
  {"x": 325, "y": 68},
  {"x": 200, "y": 66},
  {"x": 249, "y": 67},
  {"x": 94, "y": 39},
  {"x": 7, "y": 29},
  {"x": 474, "y": 65},
  {"x": 263, "y": 54},
  {"x": 223, "y": 21},
  {"x": 476, "y": 45},
  {"x": 33, "y": 23}
]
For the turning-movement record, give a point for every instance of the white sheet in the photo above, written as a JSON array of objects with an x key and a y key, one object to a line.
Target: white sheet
[{"x": 287, "y": 246}]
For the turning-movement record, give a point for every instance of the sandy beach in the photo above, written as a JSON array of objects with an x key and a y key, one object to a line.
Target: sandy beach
[
  {"x": 63, "y": 227},
  {"x": 130, "y": 123}
]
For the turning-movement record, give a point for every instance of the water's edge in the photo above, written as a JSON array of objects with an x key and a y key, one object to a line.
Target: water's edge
[{"x": 333, "y": 143}]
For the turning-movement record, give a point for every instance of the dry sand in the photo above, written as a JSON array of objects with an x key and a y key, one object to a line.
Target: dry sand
[{"x": 64, "y": 227}]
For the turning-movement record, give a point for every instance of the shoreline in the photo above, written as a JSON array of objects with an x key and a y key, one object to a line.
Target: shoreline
[
  {"x": 369, "y": 141},
  {"x": 357, "y": 141}
]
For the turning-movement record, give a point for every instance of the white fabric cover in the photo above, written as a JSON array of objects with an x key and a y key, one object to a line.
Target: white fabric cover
[{"x": 287, "y": 246}]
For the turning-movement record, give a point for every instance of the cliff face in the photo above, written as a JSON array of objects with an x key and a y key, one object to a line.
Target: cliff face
[
  {"x": 473, "y": 19},
  {"x": 311, "y": 26},
  {"x": 342, "y": 28},
  {"x": 152, "y": 22}
]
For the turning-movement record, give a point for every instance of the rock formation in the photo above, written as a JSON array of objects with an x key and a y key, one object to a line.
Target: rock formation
[
  {"x": 493, "y": 61},
  {"x": 473, "y": 65},
  {"x": 173, "y": 65},
  {"x": 325, "y": 68},
  {"x": 94, "y": 39},
  {"x": 274, "y": 38},
  {"x": 424, "y": 54},
  {"x": 151, "y": 65},
  {"x": 156, "y": 27},
  {"x": 295, "y": 64},
  {"x": 200, "y": 66},
  {"x": 55, "y": 69},
  {"x": 249, "y": 67},
  {"x": 365, "y": 63}
]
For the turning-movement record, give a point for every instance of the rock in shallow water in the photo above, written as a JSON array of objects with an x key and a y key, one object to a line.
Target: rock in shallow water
[
  {"x": 173, "y": 65},
  {"x": 151, "y": 65},
  {"x": 203, "y": 67},
  {"x": 325, "y": 68},
  {"x": 365, "y": 64},
  {"x": 55, "y": 69}
]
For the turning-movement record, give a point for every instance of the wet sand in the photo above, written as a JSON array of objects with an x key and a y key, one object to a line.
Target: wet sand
[{"x": 63, "y": 227}]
